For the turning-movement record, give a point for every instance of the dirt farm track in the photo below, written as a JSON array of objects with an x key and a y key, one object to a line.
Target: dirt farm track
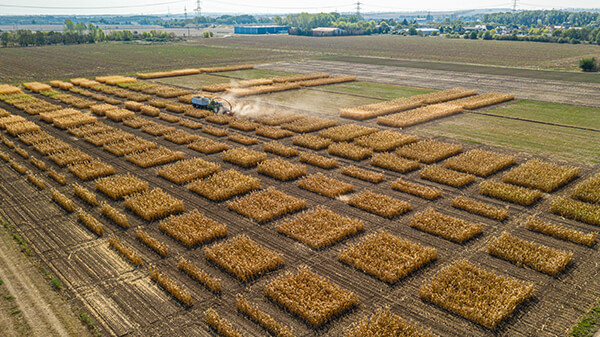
[
  {"x": 125, "y": 302},
  {"x": 575, "y": 93}
]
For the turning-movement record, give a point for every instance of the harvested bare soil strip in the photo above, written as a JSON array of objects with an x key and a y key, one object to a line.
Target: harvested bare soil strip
[
  {"x": 587, "y": 94},
  {"x": 45, "y": 312}
]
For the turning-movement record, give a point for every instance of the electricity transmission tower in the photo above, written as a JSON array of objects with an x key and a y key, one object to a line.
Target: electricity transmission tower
[
  {"x": 358, "y": 8},
  {"x": 198, "y": 9},
  {"x": 514, "y": 5}
]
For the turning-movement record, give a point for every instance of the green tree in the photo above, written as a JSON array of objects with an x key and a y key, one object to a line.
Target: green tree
[
  {"x": 6, "y": 38},
  {"x": 80, "y": 28},
  {"x": 92, "y": 32},
  {"x": 412, "y": 31},
  {"x": 588, "y": 64},
  {"x": 384, "y": 28},
  {"x": 68, "y": 26}
]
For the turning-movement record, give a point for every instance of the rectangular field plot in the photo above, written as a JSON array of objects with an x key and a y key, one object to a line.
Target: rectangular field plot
[
  {"x": 577, "y": 210},
  {"x": 311, "y": 142},
  {"x": 281, "y": 169},
  {"x": 208, "y": 146},
  {"x": 317, "y": 160},
  {"x": 419, "y": 190},
  {"x": 155, "y": 204},
  {"x": 153, "y": 157},
  {"x": 588, "y": 190},
  {"x": 385, "y": 140},
  {"x": 445, "y": 176},
  {"x": 184, "y": 171},
  {"x": 91, "y": 170},
  {"x": 320, "y": 227},
  {"x": 239, "y": 138},
  {"x": 429, "y": 151},
  {"x": 130, "y": 146},
  {"x": 419, "y": 115},
  {"x": 476, "y": 294},
  {"x": 512, "y": 193},
  {"x": 73, "y": 156},
  {"x": 386, "y": 323},
  {"x": 243, "y": 258},
  {"x": 481, "y": 208},
  {"x": 224, "y": 185},
  {"x": 324, "y": 185},
  {"x": 521, "y": 252},
  {"x": 379, "y": 204},
  {"x": 479, "y": 162},
  {"x": 273, "y": 132},
  {"x": 541, "y": 175},
  {"x": 447, "y": 227},
  {"x": 387, "y": 257},
  {"x": 244, "y": 157},
  {"x": 119, "y": 186},
  {"x": 181, "y": 137},
  {"x": 310, "y": 296},
  {"x": 265, "y": 205},
  {"x": 366, "y": 175},
  {"x": 193, "y": 228},
  {"x": 280, "y": 149},
  {"x": 394, "y": 163},
  {"x": 349, "y": 151},
  {"x": 346, "y": 132},
  {"x": 560, "y": 232}
]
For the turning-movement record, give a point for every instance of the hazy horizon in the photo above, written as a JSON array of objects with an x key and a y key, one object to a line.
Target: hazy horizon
[{"x": 150, "y": 7}]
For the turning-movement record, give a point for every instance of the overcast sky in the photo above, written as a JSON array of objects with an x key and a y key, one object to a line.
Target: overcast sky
[{"x": 21, "y": 7}]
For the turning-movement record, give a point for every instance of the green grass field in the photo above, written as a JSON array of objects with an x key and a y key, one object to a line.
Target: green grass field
[
  {"x": 551, "y": 113},
  {"x": 558, "y": 142},
  {"x": 371, "y": 89}
]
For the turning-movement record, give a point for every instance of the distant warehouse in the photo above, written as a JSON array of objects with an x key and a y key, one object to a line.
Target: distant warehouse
[
  {"x": 257, "y": 30},
  {"x": 328, "y": 31}
]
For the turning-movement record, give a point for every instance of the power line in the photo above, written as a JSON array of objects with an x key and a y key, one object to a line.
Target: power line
[
  {"x": 275, "y": 7},
  {"x": 107, "y": 7}
]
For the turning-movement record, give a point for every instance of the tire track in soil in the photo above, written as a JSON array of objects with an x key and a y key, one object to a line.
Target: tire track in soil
[{"x": 19, "y": 276}]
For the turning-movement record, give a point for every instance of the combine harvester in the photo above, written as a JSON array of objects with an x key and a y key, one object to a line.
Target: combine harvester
[{"x": 217, "y": 105}]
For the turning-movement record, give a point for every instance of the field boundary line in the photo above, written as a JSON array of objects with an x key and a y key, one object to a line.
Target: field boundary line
[{"x": 534, "y": 121}]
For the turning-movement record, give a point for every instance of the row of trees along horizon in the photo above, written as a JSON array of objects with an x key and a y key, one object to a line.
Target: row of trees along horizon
[{"x": 522, "y": 26}]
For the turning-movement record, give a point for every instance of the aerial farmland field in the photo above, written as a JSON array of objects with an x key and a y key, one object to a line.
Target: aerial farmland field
[{"x": 332, "y": 202}]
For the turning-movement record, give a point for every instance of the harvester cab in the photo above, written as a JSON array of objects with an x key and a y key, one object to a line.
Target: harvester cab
[{"x": 217, "y": 105}]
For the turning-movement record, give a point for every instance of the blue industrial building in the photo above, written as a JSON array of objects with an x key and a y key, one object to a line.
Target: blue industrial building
[{"x": 257, "y": 30}]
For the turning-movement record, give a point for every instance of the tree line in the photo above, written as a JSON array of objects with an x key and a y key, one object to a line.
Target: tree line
[
  {"x": 77, "y": 33},
  {"x": 205, "y": 20},
  {"x": 352, "y": 24},
  {"x": 545, "y": 18}
]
